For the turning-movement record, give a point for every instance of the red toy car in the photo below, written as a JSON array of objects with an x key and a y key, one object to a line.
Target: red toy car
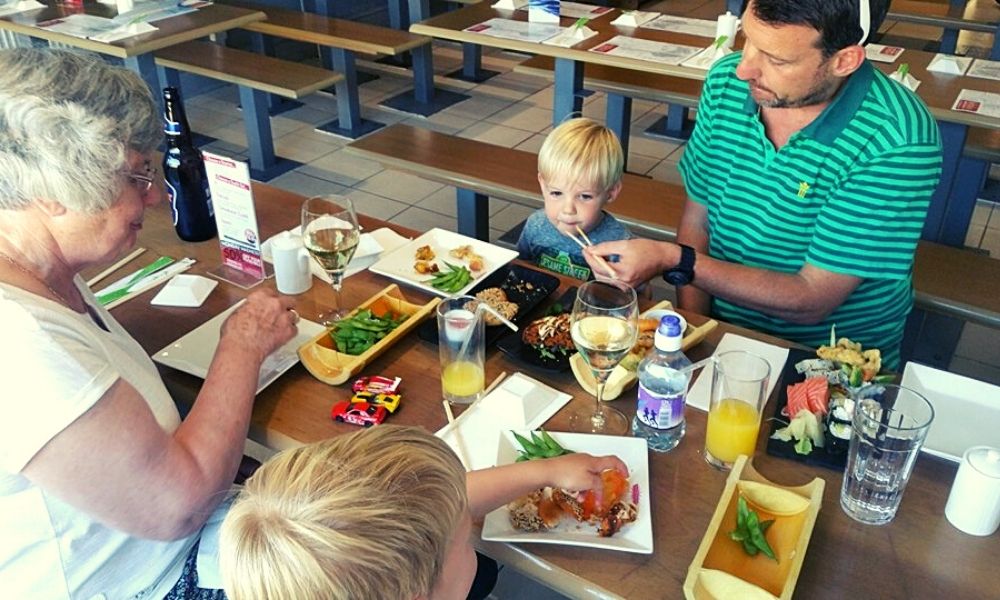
[{"x": 358, "y": 413}]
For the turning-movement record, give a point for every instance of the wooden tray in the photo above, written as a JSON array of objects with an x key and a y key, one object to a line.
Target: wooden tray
[
  {"x": 621, "y": 378},
  {"x": 789, "y": 537},
  {"x": 320, "y": 357}
]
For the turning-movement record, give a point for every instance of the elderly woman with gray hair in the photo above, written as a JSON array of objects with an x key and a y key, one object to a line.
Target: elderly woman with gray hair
[{"x": 103, "y": 489}]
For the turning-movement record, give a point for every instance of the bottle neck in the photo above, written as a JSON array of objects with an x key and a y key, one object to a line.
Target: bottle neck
[
  {"x": 666, "y": 343},
  {"x": 176, "y": 127}
]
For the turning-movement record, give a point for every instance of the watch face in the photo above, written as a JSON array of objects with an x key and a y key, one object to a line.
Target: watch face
[{"x": 677, "y": 277}]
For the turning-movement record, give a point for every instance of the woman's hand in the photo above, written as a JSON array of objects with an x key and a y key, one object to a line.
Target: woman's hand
[
  {"x": 639, "y": 260},
  {"x": 263, "y": 323},
  {"x": 580, "y": 471}
]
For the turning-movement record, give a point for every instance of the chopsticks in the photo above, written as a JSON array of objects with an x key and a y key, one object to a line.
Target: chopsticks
[
  {"x": 115, "y": 267},
  {"x": 600, "y": 259},
  {"x": 460, "y": 441}
]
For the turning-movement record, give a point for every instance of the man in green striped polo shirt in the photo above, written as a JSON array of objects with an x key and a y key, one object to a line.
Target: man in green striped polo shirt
[{"x": 809, "y": 174}]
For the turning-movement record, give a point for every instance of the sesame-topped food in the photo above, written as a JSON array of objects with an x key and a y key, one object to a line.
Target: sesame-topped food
[
  {"x": 497, "y": 299},
  {"x": 550, "y": 336}
]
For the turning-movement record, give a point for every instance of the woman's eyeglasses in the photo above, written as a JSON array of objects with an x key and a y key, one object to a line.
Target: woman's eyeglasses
[{"x": 143, "y": 180}]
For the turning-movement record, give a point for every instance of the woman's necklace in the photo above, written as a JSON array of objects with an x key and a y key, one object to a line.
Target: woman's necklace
[{"x": 34, "y": 276}]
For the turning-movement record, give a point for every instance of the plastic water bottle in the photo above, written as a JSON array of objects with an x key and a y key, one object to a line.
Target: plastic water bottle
[{"x": 659, "y": 416}]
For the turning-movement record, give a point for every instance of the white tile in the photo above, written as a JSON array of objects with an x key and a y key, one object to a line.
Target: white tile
[
  {"x": 975, "y": 370},
  {"x": 441, "y": 202},
  {"x": 444, "y": 122},
  {"x": 510, "y": 216},
  {"x": 656, "y": 147},
  {"x": 542, "y": 98},
  {"x": 492, "y": 133},
  {"x": 981, "y": 212},
  {"x": 521, "y": 116},
  {"x": 422, "y": 220},
  {"x": 234, "y": 133},
  {"x": 478, "y": 106},
  {"x": 374, "y": 205},
  {"x": 346, "y": 169},
  {"x": 991, "y": 242},
  {"x": 974, "y": 236},
  {"x": 666, "y": 170},
  {"x": 400, "y": 186},
  {"x": 532, "y": 144},
  {"x": 640, "y": 163},
  {"x": 305, "y": 185},
  {"x": 979, "y": 343}
]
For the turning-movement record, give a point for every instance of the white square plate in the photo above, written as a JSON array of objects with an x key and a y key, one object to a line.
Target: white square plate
[
  {"x": 966, "y": 411},
  {"x": 193, "y": 352},
  {"x": 398, "y": 264},
  {"x": 635, "y": 537}
]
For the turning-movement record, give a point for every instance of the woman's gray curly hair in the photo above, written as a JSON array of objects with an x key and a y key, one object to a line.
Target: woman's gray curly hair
[{"x": 67, "y": 123}]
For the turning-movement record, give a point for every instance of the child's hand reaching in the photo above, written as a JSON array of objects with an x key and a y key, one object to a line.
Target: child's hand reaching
[{"x": 580, "y": 471}]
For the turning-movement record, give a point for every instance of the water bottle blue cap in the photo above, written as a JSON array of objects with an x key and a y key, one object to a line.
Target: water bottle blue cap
[{"x": 670, "y": 326}]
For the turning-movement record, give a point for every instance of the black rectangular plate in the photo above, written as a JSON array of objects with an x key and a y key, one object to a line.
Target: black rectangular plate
[
  {"x": 822, "y": 457},
  {"x": 506, "y": 278},
  {"x": 514, "y": 348}
]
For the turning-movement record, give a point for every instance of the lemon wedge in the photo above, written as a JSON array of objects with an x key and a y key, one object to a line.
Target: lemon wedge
[
  {"x": 723, "y": 586},
  {"x": 777, "y": 501}
]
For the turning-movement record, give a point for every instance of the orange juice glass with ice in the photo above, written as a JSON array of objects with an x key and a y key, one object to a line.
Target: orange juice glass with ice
[
  {"x": 739, "y": 391},
  {"x": 462, "y": 347}
]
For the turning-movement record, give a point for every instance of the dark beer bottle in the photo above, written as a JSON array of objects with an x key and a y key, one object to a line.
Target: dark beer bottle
[{"x": 184, "y": 173}]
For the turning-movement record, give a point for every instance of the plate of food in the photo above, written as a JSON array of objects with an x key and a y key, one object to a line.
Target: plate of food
[
  {"x": 813, "y": 414},
  {"x": 514, "y": 291},
  {"x": 544, "y": 343},
  {"x": 626, "y": 524},
  {"x": 757, "y": 539},
  {"x": 443, "y": 262}
]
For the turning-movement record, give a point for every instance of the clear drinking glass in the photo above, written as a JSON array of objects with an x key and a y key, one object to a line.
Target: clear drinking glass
[
  {"x": 330, "y": 232},
  {"x": 739, "y": 392},
  {"x": 889, "y": 427},
  {"x": 462, "y": 348},
  {"x": 604, "y": 326}
]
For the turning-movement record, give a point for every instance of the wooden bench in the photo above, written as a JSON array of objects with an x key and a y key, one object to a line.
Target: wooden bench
[
  {"x": 975, "y": 15},
  {"x": 340, "y": 41},
  {"x": 949, "y": 281},
  {"x": 255, "y": 76}
]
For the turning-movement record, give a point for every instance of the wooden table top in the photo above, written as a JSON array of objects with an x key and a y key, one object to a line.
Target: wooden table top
[
  {"x": 938, "y": 90},
  {"x": 173, "y": 30},
  {"x": 919, "y": 555}
]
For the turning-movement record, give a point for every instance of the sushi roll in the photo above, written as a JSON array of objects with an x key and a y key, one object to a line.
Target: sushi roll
[
  {"x": 838, "y": 436},
  {"x": 841, "y": 409}
]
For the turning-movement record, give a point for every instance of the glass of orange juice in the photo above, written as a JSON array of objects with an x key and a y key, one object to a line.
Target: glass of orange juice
[
  {"x": 462, "y": 348},
  {"x": 739, "y": 391}
]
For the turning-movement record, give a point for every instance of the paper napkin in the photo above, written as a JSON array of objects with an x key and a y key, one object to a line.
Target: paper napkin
[
  {"x": 700, "y": 393},
  {"x": 707, "y": 56},
  {"x": 510, "y": 4},
  {"x": 634, "y": 18},
  {"x": 185, "y": 290},
  {"x": 950, "y": 64},
  {"x": 903, "y": 77},
  {"x": 520, "y": 402},
  {"x": 572, "y": 35}
]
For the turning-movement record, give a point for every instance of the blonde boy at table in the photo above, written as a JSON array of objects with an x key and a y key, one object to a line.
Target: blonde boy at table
[
  {"x": 385, "y": 513},
  {"x": 580, "y": 170}
]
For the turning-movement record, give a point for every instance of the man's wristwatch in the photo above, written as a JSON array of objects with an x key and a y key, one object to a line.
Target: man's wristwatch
[{"x": 683, "y": 272}]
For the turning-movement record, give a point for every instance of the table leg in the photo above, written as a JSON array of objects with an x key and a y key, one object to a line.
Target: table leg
[
  {"x": 472, "y": 65},
  {"x": 349, "y": 122},
  {"x": 674, "y": 126},
  {"x": 619, "y": 119},
  {"x": 276, "y": 104},
  {"x": 568, "y": 81},
  {"x": 145, "y": 66},
  {"x": 949, "y": 41},
  {"x": 424, "y": 100},
  {"x": 473, "y": 214},
  {"x": 995, "y": 52},
  {"x": 264, "y": 165}
]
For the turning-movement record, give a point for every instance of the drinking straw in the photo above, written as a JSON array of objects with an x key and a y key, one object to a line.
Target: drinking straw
[
  {"x": 115, "y": 267},
  {"x": 460, "y": 441},
  {"x": 480, "y": 308}
]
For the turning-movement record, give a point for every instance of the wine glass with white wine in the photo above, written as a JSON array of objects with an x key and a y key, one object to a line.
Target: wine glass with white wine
[
  {"x": 604, "y": 327},
  {"x": 330, "y": 232}
]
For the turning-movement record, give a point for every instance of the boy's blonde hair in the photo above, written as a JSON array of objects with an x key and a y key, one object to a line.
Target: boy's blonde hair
[
  {"x": 582, "y": 150},
  {"x": 365, "y": 515}
]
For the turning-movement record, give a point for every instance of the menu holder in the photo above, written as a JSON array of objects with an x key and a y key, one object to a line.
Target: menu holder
[
  {"x": 789, "y": 537},
  {"x": 321, "y": 358}
]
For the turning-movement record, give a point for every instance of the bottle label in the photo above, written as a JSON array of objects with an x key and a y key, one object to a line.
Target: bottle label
[
  {"x": 660, "y": 411},
  {"x": 172, "y": 197},
  {"x": 171, "y": 128}
]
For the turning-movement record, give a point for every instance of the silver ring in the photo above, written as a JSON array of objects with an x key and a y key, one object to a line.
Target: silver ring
[{"x": 295, "y": 315}]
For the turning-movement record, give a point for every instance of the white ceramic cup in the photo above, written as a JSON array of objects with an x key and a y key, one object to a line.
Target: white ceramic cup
[
  {"x": 291, "y": 264},
  {"x": 974, "y": 502}
]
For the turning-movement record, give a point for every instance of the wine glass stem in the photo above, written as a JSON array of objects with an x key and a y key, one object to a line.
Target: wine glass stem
[
  {"x": 336, "y": 282},
  {"x": 598, "y": 417}
]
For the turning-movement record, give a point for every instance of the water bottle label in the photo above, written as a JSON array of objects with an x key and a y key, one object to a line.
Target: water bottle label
[
  {"x": 660, "y": 411},
  {"x": 171, "y": 127}
]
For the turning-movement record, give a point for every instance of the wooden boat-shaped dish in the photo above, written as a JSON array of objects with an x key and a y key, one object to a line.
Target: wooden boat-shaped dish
[
  {"x": 320, "y": 357},
  {"x": 788, "y": 536}
]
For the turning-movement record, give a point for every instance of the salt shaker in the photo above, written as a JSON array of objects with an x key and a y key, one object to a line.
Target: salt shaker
[{"x": 974, "y": 503}]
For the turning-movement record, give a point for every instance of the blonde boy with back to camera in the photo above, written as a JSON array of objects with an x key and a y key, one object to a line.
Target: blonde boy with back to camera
[
  {"x": 580, "y": 170},
  {"x": 383, "y": 514}
]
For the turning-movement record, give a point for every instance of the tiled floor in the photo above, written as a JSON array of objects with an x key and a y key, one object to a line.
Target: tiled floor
[{"x": 511, "y": 110}]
